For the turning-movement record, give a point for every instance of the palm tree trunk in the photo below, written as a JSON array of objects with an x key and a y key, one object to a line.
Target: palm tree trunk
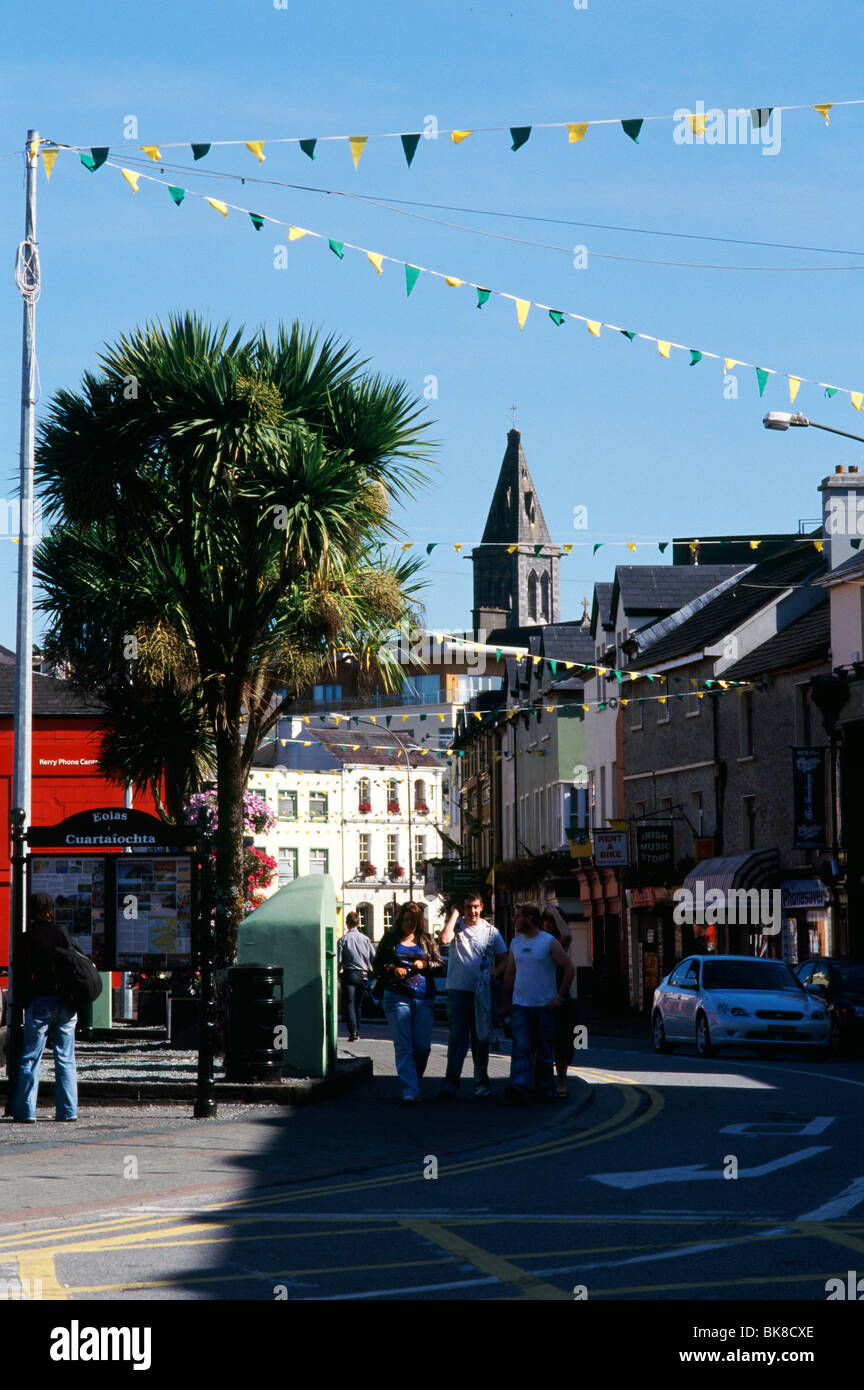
[{"x": 230, "y": 784}]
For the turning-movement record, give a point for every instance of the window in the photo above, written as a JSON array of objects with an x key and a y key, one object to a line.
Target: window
[
  {"x": 364, "y": 795},
  {"x": 420, "y": 802},
  {"x": 364, "y": 849},
  {"x": 325, "y": 694},
  {"x": 532, "y": 596},
  {"x": 423, "y": 690},
  {"x": 319, "y": 860},
  {"x": 287, "y": 864},
  {"x": 745, "y": 724},
  {"x": 419, "y": 850},
  {"x": 694, "y": 704},
  {"x": 258, "y": 791},
  {"x": 748, "y": 821},
  {"x": 392, "y": 796},
  {"x": 318, "y": 806},
  {"x": 679, "y": 973},
  {"x": 545, "y": 589},
  {"x": 366, "y": 913},
  {"x": 287, "y": 805},
  {"x": 392, "y": 849},
  {"x": 389, "y": 915},
  {"x": 664, "y": 709}
]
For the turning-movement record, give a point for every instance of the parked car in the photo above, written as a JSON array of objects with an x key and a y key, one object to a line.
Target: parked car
[
  {"x": 839, "y": 983},
  {"x": 737, "y": 1001}
]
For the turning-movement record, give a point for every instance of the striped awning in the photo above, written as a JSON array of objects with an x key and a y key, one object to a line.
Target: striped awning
[{"x": 757, "y": 869}]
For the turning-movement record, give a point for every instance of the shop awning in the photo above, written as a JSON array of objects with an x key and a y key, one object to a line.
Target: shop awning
[{"x": 757, "y": 869}]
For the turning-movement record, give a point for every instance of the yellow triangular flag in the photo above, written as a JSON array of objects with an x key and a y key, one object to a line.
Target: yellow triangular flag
[
  {"x": 257, "y": 148},
  {"x": 457, "y": 136},
  {"x": 131, "y": 178},
  {"x": 634, "y": 675},
  {"x": 661, "y": 699},
  {"x": 219, "y": 207},
  {"x": 153, "y": 151},
  {"x": 407, "y": 546},
  {"x": 458, "y": 547},
  {"x": 663, "y": 347},
  {"x": 452, "y": 282},
  {"x": 586, "y": 706},
  {"x": 358, "y": 144},
  {"x": 818, "y": 545},
  {"x": 754, "y": 545},
  {"x": 594, "y": 327},
  {"x": 511, "y": 548},
  {"x": 377, "y": 259},
  {"x": 601, "y": 670},
  {"x": 49, "y": 158},
  {"x": 856, "y": 397},
  {"x": 522, "y": 307},
  {"x": 295, "y": 233},
  {"x": 794, "y": 383},
  {"x": 567, "y": 549},
  {"x": 823, "y": 107},
  {"x": 631, "y": 545},
  {"x": 697, "y": 125},
  {"x": 729, "y": 363},
  {"x": 576, "y": 131}
]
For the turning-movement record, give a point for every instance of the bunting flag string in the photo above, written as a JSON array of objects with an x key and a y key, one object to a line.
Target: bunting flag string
[
  {"x": 707, "y": 126},
  {"x": 522, "y": 305}
]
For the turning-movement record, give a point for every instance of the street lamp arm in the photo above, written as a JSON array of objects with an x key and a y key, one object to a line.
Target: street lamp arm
[{"x": 831, "y": 430}]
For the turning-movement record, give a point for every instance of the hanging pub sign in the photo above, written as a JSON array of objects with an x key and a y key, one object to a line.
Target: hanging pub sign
[
  {"x": 808, "y": 797},
  {"x": 655, "y": 850},
  {"x": 133, "y": 905}
]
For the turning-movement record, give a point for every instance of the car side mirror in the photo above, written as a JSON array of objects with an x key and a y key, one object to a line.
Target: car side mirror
[{"x": 816, "y": 988}]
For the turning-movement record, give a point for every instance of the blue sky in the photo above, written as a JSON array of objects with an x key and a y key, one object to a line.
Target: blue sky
[{"x": 651, "y": 447}]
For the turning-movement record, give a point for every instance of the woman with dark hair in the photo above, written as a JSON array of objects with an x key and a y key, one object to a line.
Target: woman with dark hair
[
  {"x": 555, "y": 924},
  {"x": 407, "y": 960}
]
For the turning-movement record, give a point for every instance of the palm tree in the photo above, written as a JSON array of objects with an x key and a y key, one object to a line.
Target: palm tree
[{"x": 223, "y": 508}]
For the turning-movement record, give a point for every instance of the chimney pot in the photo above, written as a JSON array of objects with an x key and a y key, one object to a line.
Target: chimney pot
[
  {"x": 841, "y": 468},
  {"x": 853, "y": 468}
]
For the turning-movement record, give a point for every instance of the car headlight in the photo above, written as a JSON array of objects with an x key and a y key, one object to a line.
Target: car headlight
[
  {"x": 820, "y": 1013},
  {"x": 731, "y": 1009}
]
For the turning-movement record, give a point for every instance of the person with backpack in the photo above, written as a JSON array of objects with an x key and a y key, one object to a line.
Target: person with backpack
[{"x": 42, "y": 984}]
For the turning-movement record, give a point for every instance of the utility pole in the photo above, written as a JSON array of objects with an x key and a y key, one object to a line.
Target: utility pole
[{"x": 28, "y": 280}]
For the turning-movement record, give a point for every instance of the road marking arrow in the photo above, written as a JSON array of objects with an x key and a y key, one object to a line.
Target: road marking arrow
[{"x": 696, "y": 1172}]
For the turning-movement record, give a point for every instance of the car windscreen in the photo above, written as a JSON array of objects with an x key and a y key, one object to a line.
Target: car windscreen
[
  {"x": 748, "y": 974},
  {"x": 848, "y": 975}
]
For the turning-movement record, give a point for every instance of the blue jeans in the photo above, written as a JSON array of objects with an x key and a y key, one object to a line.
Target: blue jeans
[
  {"x": 460, "y": 1018},
  {"x": 410, "y": 1023},
  {"x": 47, "y": 1014},
  {"x": 533, "y": 1031}
]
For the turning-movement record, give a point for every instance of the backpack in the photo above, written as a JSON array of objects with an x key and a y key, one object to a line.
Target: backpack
[{"x": 77, "y": 977}]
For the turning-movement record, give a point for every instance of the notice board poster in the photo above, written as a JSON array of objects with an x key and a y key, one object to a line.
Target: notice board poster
[
  {"x": 76, "y": 886},
  {"x": 153, "y": 906}
]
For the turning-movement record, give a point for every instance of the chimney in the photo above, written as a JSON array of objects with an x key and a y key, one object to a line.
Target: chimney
[{"x": 842, "y": 514}]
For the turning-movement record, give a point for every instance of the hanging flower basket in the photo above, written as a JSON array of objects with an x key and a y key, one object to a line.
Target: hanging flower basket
[
  {"x": 392, "y": 808},
  {"x": 364, "y": 807}
]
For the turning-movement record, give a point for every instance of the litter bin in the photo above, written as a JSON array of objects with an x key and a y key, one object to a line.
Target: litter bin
[{"x": 253, "y": 1014}]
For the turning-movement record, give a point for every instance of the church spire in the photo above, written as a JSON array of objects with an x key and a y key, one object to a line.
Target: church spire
[{"x": 515, "y": 516}]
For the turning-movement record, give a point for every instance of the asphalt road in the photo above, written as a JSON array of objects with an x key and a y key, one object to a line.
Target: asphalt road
[{"x": 662, "y": 1178}]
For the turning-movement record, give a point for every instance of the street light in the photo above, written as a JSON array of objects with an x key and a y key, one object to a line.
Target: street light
[{"x": 783, "y": 420}]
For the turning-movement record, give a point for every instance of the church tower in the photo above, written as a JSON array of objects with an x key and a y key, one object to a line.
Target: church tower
[{"x": 521, "y": 588}]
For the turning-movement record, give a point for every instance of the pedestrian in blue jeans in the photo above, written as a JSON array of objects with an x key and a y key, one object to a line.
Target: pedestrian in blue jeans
[
  {"x": 531, "y": 998},
  {"x": 407, "y": 960},
  {"x": 48, "y": 1015}
]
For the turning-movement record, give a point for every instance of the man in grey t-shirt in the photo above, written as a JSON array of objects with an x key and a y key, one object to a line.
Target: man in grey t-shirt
[{"x": 477, "y": 953}]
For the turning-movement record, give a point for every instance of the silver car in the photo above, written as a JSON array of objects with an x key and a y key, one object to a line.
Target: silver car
[{"x": 736, "y": 1001}]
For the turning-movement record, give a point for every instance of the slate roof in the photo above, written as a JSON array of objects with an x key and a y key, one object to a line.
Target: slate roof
[
  {"x": 515, "y": 503},
  {"x": 565, "y": 643},
  {"x": 649, "y": 589},
  {"x": 600, "y": 614},
  {"x": 754, "y": 589},
  {"x": 807, "y": 639},
  {"x": 853, "y": 568},
  {"x": 52, "y": 698},
  {"x": 339, "y": 743}
]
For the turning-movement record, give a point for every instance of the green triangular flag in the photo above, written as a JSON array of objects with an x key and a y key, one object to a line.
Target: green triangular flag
[
  {"x": 99, "y": 156},
  {"x": 430, "y": 547},
  {"x": 855, "y": 542},
  {"x": 520, "y": 135},
  {"x": 597, "y": 545},
  {"x": 627, "y": 334},
  {"x": 760, "y": 115},
  {"x": 556, "y": 316},
  {"x": 177, "y": 194},
  {"x": 618, "y": 676},
  {"x": 650, "y": 677},
  {"x": 663, "y": 547},
  {"x": 87, "y": 161},
  {"x": 411, "y": 273},
  {"x": 601, "y": 705},
  {"x": 308, "y": 147},
  {"x": 497, "y": 653},
  {"x": 553, "y": 666},
  {"x": 257, "y": 220},
  {"x": 199, "y": 151},
  {"x": 409, "y": 145},
  {"x": 387, "y": 719},
  {"x": 482, "y": 296},
  {"x": 761, "y": 377},
  {"x": 338, "y": 248},
  {"x": 695, "y": 357},
  {"x": 632, "y": 128},
  {"x": 830, "y": 391},
  {"x": 537, "y": 549},
  {"x": 422, "y": 717}
]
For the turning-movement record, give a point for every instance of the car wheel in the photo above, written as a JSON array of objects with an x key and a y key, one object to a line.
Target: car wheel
[
  {"x": 704, "y": 1046},
  {"x": 658, "y": 1034}
]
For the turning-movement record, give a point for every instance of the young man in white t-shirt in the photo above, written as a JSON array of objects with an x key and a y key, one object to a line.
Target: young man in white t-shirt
[
  {"x": 530, "y": 997},
  {"x": 477, "y": 953}
]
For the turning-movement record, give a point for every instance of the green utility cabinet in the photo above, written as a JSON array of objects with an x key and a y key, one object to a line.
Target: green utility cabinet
[{"x": 296, "y": 928}]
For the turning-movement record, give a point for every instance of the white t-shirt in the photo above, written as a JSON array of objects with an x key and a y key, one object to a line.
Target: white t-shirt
[
  {"x": 535, "y": 970},
  {"x": 466, "y": 952}
]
